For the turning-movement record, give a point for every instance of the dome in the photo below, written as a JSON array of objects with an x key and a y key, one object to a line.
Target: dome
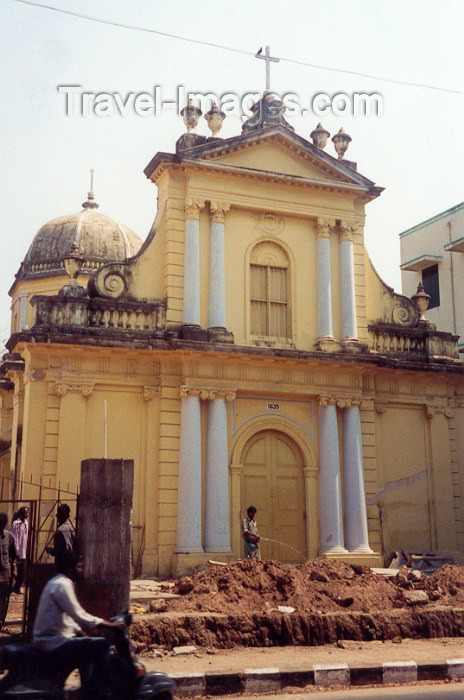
[{"x": 99, "y": 239}]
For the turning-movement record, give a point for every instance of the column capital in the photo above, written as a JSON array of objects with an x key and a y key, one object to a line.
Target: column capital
[
  {"x": 236, "y": 469},
  {"x": 432, "y": 411},
  {"x": 348, "y": 229},
  {"x": 218, "y": 211},
  {"x": 339, "y": 401},
  {"x": 207, "y": 393},
  {"x": 61, "y": 389},
  {"x": 192, "y": 207},
  {"x": 324, "y": 227}
]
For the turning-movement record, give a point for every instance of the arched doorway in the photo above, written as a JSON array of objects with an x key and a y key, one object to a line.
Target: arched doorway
[{"x": 272, "y": 480}]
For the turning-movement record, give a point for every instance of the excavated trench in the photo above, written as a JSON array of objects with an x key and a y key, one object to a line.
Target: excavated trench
[{"x": 279, "y": 629}]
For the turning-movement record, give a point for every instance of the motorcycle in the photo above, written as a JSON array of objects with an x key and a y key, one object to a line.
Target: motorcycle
[{"x": 31, "y": 676}]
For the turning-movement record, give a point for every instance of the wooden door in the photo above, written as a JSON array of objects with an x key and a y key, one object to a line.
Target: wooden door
[{"x": 273, "y": 482}]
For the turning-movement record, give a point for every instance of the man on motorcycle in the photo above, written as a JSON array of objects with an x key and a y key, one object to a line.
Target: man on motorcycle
[{"x": 58, "y": 630}]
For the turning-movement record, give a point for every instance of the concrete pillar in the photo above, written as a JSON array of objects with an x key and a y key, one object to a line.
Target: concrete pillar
[
  {"x": 217, "y": 534},
  {"x": 189, "y": 505},
  {"x": 217, "y": 275},
  {"x": 347, "y": 290},
  {"x": 356, "y": 533},
  {"x": 105, "y": 517},
  {"x": 324, "y": 280},
  {"x": 191, "y": 309},
  {"x": 330, "y": 505}
]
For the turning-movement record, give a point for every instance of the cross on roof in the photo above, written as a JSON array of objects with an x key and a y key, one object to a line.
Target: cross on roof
[{"x": 269, "y": 59}]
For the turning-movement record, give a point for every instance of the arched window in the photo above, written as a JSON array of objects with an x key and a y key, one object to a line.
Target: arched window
[{"x": 269, "y": 291}]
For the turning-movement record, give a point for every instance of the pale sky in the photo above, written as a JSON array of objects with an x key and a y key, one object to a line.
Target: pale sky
[{"x": 415, "y": 150}]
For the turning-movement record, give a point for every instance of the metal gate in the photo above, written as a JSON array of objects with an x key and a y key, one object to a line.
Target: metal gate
[{"x": 17, "y": 612}]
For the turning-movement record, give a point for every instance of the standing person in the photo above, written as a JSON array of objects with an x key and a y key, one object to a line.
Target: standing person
[
  {"x": 250, "y": 535},
  {"x": 7, "y": 556},
  {"x": 20, "y": 532},
  {"x": 64, "y": 537},
  {"x": 58, "y": 631}
]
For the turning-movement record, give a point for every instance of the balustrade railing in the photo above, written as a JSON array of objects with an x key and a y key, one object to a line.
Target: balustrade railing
[
  {"x": 423, "y": 341},
  {"x": 61, "y": 312}
]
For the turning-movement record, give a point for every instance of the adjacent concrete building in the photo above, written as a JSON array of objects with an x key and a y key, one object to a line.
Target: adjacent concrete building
[{"x": 432, "y": 252}]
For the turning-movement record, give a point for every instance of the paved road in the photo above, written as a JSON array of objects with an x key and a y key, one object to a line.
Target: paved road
[{"x": 441, "y": 691}]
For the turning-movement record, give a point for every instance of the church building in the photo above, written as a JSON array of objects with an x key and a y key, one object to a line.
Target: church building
[{"x": 247, "y": 353}]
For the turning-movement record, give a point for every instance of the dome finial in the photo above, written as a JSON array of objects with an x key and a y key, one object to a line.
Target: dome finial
[{"x": 90, "y": 203}]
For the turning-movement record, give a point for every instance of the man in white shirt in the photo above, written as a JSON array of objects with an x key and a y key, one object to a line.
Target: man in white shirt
[{"x": 58, "y": 630}]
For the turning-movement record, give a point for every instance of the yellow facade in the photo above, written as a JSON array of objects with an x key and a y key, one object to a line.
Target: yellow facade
[{"x": 277, "y": 193}]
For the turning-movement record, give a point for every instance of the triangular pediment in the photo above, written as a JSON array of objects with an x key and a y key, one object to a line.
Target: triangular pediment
[{"x": 279, "y": 151}]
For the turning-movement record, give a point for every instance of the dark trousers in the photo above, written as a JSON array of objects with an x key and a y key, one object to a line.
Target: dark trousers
[
  {"x": 21, "y": 573},
  {"x": 91, "y": 655}
]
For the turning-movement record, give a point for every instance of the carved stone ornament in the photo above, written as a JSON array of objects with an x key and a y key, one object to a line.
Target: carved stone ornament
[
  {"x": 61, "y": 389},
  {"x": 192, "y": 208},
  {"x": 218, "y": 211},
  {"x": 207, "y": 393},
  {"x": 149, "y": 392},
  {"x": 324, "y": 227},
  {"x": 269, "y": 224},
  {"x": 380, "y": 407}
]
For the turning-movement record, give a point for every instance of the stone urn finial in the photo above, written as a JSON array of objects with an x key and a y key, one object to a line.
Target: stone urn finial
[
  {"x": 421, "y": 301},
  {"x": 215, "y": 119},
  {"x": 319, "y": 136},
  {"x": 191, "y": 115},
  {"x": 72, "y": 265},
  {"x": 341, "y": 142}
]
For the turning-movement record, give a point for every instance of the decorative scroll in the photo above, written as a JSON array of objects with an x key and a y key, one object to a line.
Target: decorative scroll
[
  {"x": 404, "y": 312},
  {"x": 110, "y": 281}
]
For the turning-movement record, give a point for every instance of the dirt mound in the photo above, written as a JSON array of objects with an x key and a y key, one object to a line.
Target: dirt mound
[
  {"x": 238, "y": 604},
  {"x": 318, "y": 585}
]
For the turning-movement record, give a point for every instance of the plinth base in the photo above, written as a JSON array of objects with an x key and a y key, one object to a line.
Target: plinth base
[
  {"x": 187, "y": 563},
  {"x": 367, "y": 559}
]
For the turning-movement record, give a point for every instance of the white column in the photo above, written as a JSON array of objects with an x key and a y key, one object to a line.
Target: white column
[
  {"x": 347, "y": 291},
  {"x": 217, "y": 534},
  {"x": 191, "y": 311},
  {"x": 324, "y": 279},
  {"x": 330, "y": 505},
  {"x": 217, "y": 274},
  {"x": 356, "y": 534},
  {"x": 189, "y": 532}
]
